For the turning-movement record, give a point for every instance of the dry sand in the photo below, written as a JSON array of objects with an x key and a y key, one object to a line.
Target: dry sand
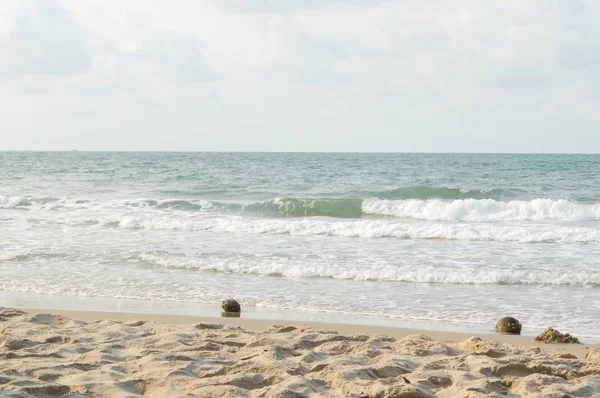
[{"x": 170, "y": 356}]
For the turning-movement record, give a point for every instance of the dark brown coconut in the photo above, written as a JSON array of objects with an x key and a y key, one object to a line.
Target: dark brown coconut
[
  {"x": 508, "y": 325},
  {"x": 231, "y": 305}
]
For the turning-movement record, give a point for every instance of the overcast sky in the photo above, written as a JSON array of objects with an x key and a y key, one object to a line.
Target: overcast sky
[{"x": 300, "y": 75}]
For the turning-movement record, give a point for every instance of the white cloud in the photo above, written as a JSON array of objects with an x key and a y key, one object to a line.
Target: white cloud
[
  {"x": 287, "y": 6},
  {"x": 42, "y": 39},
  {"x": 308, "y": 75}
]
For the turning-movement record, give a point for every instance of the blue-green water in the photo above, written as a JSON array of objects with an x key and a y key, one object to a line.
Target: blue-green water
[{"x": 438, "y": 238}]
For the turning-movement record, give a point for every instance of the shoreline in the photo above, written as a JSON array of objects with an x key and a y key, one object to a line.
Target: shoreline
[
  {"x": 142, "y": 308},
  {"x": 257, "y": 325}
]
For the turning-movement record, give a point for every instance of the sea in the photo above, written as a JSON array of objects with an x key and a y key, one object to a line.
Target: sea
[{"x": 434, "y": 241}]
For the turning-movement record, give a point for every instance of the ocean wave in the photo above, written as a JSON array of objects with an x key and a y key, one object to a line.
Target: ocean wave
[
  {"x": 471, "y": 210},
  {"x": 39, "y": 203},
  {"x": 13, "y": 256},
  {"x": 8, "y": 202},
  {"x": 51, "y": 203},
  {"x": 382, "y": 273},
  {"x": 486, "y": 210},
  {"x": 425, "y": 192},
  {"x": 294, "y": 207},
  {"x": 278, "y": 207},
  {"x": 459, "y": 210},
  {"x": 370, "y": 229}
]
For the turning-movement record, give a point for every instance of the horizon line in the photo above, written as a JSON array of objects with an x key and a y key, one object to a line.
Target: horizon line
[{"x": 295, "y": 152}]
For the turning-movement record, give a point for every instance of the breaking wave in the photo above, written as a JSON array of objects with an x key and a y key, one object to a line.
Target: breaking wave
[
  {"x": 370, "y": 229},
  {"x": 471, "y": 210},
  {"x": 338, "y": 208},
  {"x": 457, "y": 210},
  {"x": 486, "y": 210},
  {"x": 377, "y": 272}
]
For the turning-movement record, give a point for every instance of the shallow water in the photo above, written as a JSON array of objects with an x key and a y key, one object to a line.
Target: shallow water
[{"x": 456, "y": 240}]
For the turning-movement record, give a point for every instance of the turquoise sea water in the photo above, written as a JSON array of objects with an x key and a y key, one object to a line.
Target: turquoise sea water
[{"x": 446, "y": 239}]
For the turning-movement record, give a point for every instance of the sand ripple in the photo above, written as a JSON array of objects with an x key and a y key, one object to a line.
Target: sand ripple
[{"x": 51, "y": 355}]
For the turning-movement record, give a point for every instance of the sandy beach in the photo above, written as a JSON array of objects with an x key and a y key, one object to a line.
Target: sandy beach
[
  {"x": 299, "y": 199},
  {"x": 74, "y": 354}
]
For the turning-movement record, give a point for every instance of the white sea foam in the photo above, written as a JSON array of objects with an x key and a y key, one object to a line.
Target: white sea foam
[
  {"x": 12, "y": 255},
  {"x": 379, "y": 272},
  {"x": 373, "y": 229},
  {"x": 72, "y": 203},
  {"x": 7, "y": 202},
  {"x": 484, "y": 210}
]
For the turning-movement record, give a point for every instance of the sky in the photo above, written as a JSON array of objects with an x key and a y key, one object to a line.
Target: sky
[{"x": 300, "y": 75}]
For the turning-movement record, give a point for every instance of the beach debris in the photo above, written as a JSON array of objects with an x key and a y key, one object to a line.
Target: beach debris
[
  {"x": 551, "y": 335},
  {"x": 593, "y": 355},
  {"x": 508, "y": 325},
  {"x": 231, "y": 308}
]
